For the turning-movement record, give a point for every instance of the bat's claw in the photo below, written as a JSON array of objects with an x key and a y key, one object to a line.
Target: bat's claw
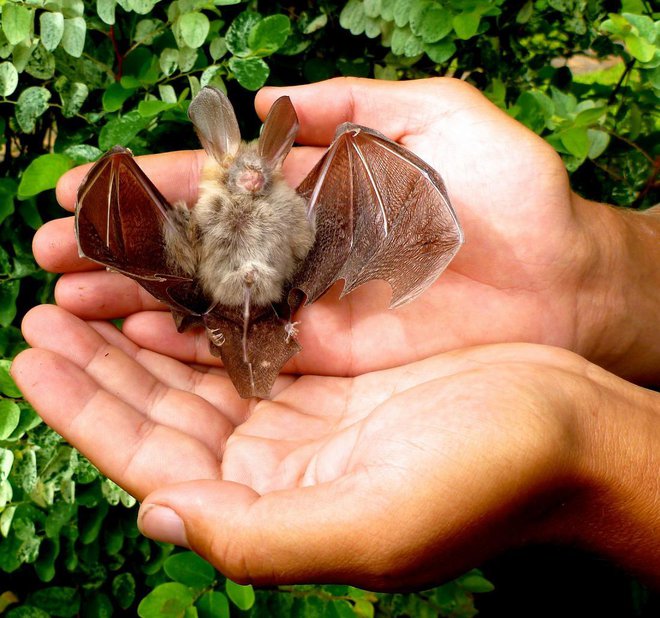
[
  {"x": 291, "y": 330},
  {"x": 216, "y": 336}
]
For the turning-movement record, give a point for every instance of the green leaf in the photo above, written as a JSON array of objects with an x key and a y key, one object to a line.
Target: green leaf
[
  {"x": 190, "y": 569},
  {"x": 106, "y": 10},
  {"x": 353, "y": 17},
  {"x": 318, "y": 22},
  {"x": 576, "y": 141},
  {"x": 123, "y": 589},
  {"x": 41, "y": 64},
  {"x": 73, "y": 8},
  {"x": 241, "y": 596},
  {"x": 114, "y": 97},
  {"x": 8, "y": 188},
  {"x": 22, "y": 53},
  {"x": 167, "y": 93},
  {"x": 73, "y": 95},
  {"x": 10, "y": 415},
  {"x": 466, "y": 24},
  {"x": 32, "y": 103},
  {"x": 9, "y": 289},
  {"x": 57, "y": 601},
  {"x": 239, "y": 31},
  {"x": 165, "y": 601},
  {"x": 194, "y": 28},
  {"x": 644, "y": 25},
  {"x": 98, "y": 606},
  {"x": 6, "y": 463},
  {"x": 27, "y": 611},
  {"x": 534, "y": 109},
  {"x": 354, "y": 68},
  {"x": 8, "y": 79},
  {"x": 401, "y": 12},
  {"x": 598, "y": 142},
  {"x": 187, "y": 58},
  {"x": 441, "y": 51},
  {"x": 142, "y": 7},
  {"x": 30, "y": 214},
  {"x": 405, "y": 43},
  {"x": 474, "y": 582},
  {"x": 639, "y": 48},
  {"x": 121, "y": 130},
  {"x": 589, "y": 116},
  {"x": 435, "y": 24},
  {"x": 213, "y": 604},
  {"x": 147, "y": 30},
  {"x": 268, "y": 35},
  {"x": 73, "y": 36},
  {"x": 525, "y": 13},
  {"x": 6, "y": 518},
  {"x": 43, "y": 173},
  {"x": 218, "y": 48},
  {"x": 51, "y": 29},
  {"x": 565, "y": 103},
  {"x": 168, "y": 61},
  {"x": 6, "y": 496},
  {"x": 148, "y": 109},
  {"x": 16, "y": 22},
  {"x": 212, "y": 76},
  {"x": 251, "y": 73}
]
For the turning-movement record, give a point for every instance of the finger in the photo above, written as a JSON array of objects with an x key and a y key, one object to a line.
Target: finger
[
  {"x": 180, "y": 185},
  {"x": 311, "y": 534},
  {"x": 119, "y": 372},
  {"x": 120, "y": 441},
  {"x": 183, "y": 183},
  {"x": 213, "y": 385},
  {"x": 55, "y": 248},
  {"x": 102, "y": 295},
  {"x": 391, "y": 107}
]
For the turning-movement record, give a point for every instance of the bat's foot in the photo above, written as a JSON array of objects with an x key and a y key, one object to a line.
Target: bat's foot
[
  {"x": 291, "y": 330},
  {"x": 216, "y": 336}
]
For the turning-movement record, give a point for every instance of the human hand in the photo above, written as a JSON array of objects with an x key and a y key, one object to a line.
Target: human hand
[
  {"x": 539, "y": 263},
  {"x": 394, "y": 479}
]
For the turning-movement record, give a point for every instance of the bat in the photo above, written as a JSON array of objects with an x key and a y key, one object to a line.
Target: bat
[{"x": 253, "y": 250}]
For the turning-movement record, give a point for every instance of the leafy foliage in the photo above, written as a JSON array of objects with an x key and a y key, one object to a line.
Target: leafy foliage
[{"x": 79, "y": 76}]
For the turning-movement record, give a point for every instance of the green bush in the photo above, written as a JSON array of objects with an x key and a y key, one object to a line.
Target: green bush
[{"x": 77, "y": 77}]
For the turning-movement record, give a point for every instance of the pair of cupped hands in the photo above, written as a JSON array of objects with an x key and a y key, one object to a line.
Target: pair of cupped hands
[{"x": 399, "y": 447}]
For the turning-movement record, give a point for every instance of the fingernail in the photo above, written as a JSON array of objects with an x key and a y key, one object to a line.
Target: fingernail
[{"x": 162, "y": 524}]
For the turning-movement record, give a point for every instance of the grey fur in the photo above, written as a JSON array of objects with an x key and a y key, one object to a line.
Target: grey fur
[{"x": 236, "y": 237}]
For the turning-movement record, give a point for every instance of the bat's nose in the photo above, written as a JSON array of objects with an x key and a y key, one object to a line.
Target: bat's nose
[{"x": 251, "y": 180}]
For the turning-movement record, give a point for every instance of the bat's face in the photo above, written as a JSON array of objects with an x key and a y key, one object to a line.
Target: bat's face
[{"x": 248, "y": 173}]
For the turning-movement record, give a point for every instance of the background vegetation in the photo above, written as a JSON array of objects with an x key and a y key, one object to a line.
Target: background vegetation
[{"x": 79, "y": 76}]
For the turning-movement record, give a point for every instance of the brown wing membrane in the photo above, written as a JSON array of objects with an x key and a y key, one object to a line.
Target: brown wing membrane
[
  {"x": 381, "y": 213},
  {"x": 120, "y": 218},
  {"x": 268, "y": 348}
]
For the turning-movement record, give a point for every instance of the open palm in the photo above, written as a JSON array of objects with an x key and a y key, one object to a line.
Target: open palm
[
  {"x": 435, "y": 450},
  {"x": 517, "y": 278}
]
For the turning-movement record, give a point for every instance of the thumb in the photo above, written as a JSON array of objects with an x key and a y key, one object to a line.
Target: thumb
[
  {"x": 308, "y": 534},
  {"x": 395, "y": 108}
]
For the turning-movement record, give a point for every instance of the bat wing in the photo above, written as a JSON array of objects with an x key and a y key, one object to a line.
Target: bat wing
[
  {"x": 120, "y": 222},
  {"x": 381, "y": 213},
  {"x": 252, "y": 369}
]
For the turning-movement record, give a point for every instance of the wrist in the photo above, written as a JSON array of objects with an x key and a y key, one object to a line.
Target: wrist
[
  {"x": 619, "y": 290},
  {"x": 611, "y": 502}
]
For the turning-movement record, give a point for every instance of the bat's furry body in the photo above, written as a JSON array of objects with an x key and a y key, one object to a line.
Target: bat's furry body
[
  {"x": 242, "y": 239},
  {"x": 252, "y": 250}
]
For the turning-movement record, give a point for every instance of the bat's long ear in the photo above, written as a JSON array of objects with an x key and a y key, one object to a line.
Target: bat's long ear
[
  {"x": 279, "y": 132},
  {"x": 215, "y": 123}
]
